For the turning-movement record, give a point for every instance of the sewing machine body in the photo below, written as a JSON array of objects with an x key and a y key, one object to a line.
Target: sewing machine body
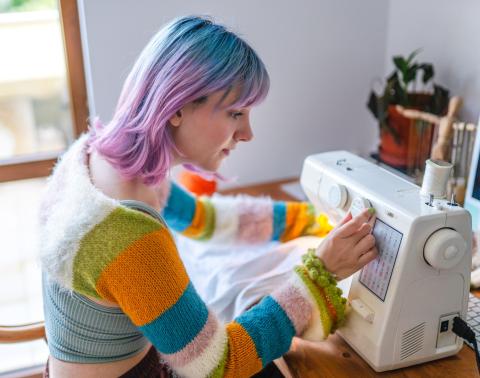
[{"x": 402, "y": 305}]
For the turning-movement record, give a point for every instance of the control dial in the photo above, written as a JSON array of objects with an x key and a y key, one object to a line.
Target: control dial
[
  {"x": 337, "y": 196},
  {"x": 358, "y": 205},
  {"x": 444, "y": 249}
]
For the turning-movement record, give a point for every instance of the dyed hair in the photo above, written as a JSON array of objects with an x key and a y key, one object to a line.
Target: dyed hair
[{"x": 188, "y": 59}]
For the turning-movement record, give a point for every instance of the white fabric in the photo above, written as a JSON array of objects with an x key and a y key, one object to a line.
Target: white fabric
[{"x": 232, "y": 279}]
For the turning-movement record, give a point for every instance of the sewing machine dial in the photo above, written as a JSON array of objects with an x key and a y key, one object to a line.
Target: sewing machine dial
[
  {"x": 358, "y": 205},
  {"x": 444, "y": 249},
  {"x": 337, "y": 196}
]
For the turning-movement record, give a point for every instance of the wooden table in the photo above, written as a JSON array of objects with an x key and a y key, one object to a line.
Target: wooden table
[{"x": 334, "y": 357}]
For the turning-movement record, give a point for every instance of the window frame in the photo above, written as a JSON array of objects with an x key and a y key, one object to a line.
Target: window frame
[{"x": 41, "y": 164}]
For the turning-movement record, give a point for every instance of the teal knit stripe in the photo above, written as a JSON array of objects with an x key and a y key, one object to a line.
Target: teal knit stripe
[
  {"x": 279, "y": 219},
  {"x": 179, "y": 325},
  {"x": 180, "y": 208},
  {"x": 270, "y": 329}
]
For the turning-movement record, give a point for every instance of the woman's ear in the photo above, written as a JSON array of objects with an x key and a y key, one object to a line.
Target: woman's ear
[{"x": 176, "y": 119}]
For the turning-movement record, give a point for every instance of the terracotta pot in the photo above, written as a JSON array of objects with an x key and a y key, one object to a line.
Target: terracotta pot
[
  {"x": 415, "y": 140},
  {"x": 391, "y": 152}
]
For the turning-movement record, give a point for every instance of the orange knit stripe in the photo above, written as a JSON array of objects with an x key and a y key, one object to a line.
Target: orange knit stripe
[
  {"x": 145, "y": 279},
  {"x": 326, "y": 299},
  {"x": 297, "y": 220},
  {"x": 198, "y": 223},
  {"x": 243, "y": 360},
  {"x": 330, "y": 306},
  {"x": 291, "y": 214}
]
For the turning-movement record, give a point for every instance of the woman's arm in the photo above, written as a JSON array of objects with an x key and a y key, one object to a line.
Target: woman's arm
[
  {"x": 141, "y": 271},
  {"x": 240, "y": 219}
]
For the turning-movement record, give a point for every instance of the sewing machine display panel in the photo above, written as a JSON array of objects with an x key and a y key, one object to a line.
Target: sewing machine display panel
[{"x": 377, "y": 274}]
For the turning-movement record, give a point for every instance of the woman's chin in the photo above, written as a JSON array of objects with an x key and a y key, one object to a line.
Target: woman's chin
[{"x": 209, "y": 167}]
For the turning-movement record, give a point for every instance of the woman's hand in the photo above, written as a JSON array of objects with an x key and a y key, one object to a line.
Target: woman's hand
[{"x": 349, "y": 246}]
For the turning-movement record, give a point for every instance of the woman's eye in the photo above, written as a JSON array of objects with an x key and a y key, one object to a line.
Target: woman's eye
[{"x": 236, "y": 115}]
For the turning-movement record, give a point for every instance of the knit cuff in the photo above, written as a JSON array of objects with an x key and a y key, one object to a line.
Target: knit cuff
[
  {"x": 327, "y": 284},
  {"x": 328, "y": 307}
]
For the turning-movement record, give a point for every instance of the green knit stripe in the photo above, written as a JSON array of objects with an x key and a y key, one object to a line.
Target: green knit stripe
[
  {"x": 315, "y": 269},
  {"x": 209, "y": 219},
  {"x": 321, "y": 305},
  {"x": 310, "y": 214},
  {"x": 219, "y": 371},
  {"x": 105, "y": 242}
]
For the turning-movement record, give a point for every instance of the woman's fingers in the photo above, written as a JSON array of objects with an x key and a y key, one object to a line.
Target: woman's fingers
[
  {"x": 351, "y": 246},
  {"x": 370, "y": 255},
  {"x": 352, "y": 226},
  {"x": 347, "y": 218},
  {"x": 365, "y": 244},
  {"x": 364, "y": 230}
]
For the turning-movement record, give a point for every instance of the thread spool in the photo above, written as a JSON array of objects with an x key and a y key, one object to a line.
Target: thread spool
[{"x": 436, "y": 177}]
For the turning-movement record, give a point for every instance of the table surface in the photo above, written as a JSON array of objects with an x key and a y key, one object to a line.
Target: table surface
[{"x": 334, "y": 357}]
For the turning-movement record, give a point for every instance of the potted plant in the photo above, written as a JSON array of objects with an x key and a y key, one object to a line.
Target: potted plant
[{"x": 401, "y": 137}]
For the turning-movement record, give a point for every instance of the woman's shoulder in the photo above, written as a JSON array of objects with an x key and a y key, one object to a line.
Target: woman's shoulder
[
  {"x": 86, "y": 245},
  {"x": 81, "y": 229},
  {"x": 123, "y": 230}
]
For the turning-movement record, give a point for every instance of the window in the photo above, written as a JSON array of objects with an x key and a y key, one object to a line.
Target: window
[
  {"x": 42, "y": 110},
  {"x": 42, "y": 99}
]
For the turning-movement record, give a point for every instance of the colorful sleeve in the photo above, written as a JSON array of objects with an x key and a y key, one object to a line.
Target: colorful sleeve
[
  {"x": 143, "y": 273},
  {"x": 241, "y": 219}
]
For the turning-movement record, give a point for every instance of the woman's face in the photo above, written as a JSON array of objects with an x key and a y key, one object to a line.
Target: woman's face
[{"x": 206, "y": 132}]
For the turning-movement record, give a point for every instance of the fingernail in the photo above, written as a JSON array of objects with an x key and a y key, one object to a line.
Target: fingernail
[{"x": 371, "y": 210}]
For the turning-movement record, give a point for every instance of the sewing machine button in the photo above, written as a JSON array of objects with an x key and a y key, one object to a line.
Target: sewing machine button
[
  {"x": 450, "y": 252},
  {"x": 363, "y": 310},
  {"x": 358, "y": 205}
]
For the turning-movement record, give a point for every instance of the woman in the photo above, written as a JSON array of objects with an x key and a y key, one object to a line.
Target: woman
[{"x": 118, "y": 301}]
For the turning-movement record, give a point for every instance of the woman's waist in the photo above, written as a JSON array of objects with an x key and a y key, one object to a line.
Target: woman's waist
[
  {"x": 114, "y": 369},
  {"x": 80, "y": 330}
]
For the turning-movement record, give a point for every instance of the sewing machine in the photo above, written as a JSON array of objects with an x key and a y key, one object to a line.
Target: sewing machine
[{"x": 402, "y": 303}]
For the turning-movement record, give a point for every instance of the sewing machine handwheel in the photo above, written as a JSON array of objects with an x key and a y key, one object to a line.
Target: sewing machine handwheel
[
  {"x": 444, "y": 249},
  {"x": 337, "y": 196}
]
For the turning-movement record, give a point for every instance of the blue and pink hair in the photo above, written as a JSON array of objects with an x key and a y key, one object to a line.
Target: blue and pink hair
[{"x": 188, "y": 59}]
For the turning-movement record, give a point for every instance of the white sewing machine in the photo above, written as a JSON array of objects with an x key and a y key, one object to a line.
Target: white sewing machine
[{"x": 403, "y": 302}]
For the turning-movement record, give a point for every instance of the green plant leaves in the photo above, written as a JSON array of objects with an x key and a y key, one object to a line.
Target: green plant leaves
[
  {"x": 413, "y": 55},
  {"x": 427, "y": 72},
  {"x": 400, "y": 63},
  {"x": 396, "y": 93}
]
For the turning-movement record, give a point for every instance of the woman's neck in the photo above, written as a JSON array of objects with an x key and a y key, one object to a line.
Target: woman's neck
[{"x": 108, "y": 180}]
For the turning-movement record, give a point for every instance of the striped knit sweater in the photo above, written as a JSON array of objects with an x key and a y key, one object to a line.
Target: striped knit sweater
[
  {"x": 240, "y": 219},
  {"x": 93, "y": 245}
]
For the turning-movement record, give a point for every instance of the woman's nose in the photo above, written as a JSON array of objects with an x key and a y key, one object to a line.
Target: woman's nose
[{"x": 245, "y": 133}]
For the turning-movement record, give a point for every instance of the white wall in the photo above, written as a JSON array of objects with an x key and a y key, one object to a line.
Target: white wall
[
  {"x": 449, "y": 34},
  {"x": 321, "y": 56}
]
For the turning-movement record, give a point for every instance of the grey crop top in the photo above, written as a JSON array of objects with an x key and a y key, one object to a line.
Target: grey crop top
[{"x": 83, "y": 331}]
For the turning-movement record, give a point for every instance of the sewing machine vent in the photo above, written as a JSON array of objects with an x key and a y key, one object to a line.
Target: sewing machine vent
[{"x": 412, "y": 341}]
